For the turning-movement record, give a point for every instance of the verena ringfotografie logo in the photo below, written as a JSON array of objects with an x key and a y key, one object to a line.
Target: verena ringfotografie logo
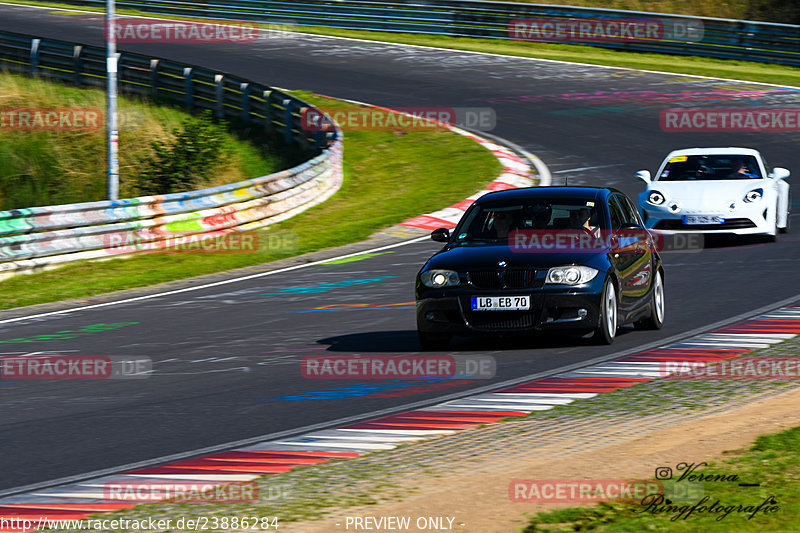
[
  {"x": 595, "y": 30},
  {"x": 740, "y": 368},
  {"x": 50, "y": 119},
  {"x": 181, "y": 492},
  {"x": 773, "y": 120},
  {"x": 402, "y": 367},
  {"x": 147, "y": 30},
  {"x": 19, "y": 367},
  {"x": 404, "y": 118},
  {"x": 589, "y": 241}
]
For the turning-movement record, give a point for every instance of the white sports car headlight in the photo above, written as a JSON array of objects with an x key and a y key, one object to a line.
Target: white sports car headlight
[
  {"x": 754, "y": 195},
  {"x": 656, "y": 198},
  {"x": 437, "y": 279},
  {"x": 570, "y": 275}
]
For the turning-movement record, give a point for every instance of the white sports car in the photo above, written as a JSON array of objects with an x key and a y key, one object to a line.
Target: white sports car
[{"x": 716, "y": 190}]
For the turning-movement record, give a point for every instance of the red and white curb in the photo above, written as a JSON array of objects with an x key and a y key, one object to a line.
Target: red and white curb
[
  {"x": 79, "y": 500},
  {"x": 516, "y": 174}
]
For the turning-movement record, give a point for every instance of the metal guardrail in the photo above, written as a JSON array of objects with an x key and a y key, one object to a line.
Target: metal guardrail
[
  {"x": 684, "y": 35},
  {"x": 37, "y": 237}
]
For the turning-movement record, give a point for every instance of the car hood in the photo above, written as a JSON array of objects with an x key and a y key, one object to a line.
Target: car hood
[
  {"x": 464, "y": 257},
  {"x": 718, "y": 193}
]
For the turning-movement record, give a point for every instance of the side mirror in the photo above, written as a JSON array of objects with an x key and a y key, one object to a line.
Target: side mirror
[
  {"x": 644, "y": 175},
  {"x": 779, "y": 173},
  {"x": 441, "y": 235}
]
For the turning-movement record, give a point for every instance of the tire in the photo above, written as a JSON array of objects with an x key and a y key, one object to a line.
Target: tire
[
  {"x": 773, "y": 237},
  {"x": 607, "y": 329},
  {"x": 788, "y": 217},
  {"x": 433, "y": 341},
  {"x": 656, "y": 318}
]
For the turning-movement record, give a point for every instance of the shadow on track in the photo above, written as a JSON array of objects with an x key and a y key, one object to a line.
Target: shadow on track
[{"x": 406, "y": 341}]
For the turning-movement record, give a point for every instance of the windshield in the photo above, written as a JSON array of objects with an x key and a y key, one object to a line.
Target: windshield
[
  {"x": 493, "y": 222},
  {"x": 710, "y": 167}
]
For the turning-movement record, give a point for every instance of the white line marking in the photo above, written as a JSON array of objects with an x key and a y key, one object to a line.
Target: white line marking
[
  {"x": 215, "y": 284},
  {"x": 501, "y": 407},
  {"x": 586, "y": 168},
  {"x": 348, "y": 445},
  {"x": 419, "y": 432},
  {"x": 201, "y": 477}
]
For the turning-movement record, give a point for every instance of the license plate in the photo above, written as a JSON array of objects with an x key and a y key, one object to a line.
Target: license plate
[
  {"x": 702, "y": 219},
  {"x": 501, "y": 303}
]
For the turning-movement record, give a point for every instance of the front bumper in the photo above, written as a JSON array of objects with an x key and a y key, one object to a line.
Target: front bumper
[
  {"x": 745, "y": 220},
  {"x": 552, "y": 308}
]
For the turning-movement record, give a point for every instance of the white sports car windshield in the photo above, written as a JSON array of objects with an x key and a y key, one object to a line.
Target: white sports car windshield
[{"x": 710, "y": 167}]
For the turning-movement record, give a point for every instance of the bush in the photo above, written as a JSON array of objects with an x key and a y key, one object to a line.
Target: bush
[{"x": 184, "y": 162}]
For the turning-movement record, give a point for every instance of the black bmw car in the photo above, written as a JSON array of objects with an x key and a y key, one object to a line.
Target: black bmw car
[{"x": 537, "y": 259}]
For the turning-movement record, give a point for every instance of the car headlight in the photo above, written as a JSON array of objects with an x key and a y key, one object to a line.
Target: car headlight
[
  {"x": 436, "y": 279},
  {"x": 570, "y": 275},
  {"x": 656, "y": 198},
  {"x": 754, "y": 195}
]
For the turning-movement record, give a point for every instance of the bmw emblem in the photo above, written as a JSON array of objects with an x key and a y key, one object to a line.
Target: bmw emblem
[{"x": 501, "y": 264}]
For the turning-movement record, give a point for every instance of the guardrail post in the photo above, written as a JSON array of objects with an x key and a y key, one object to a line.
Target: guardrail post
[
  {"x": 154, "y": 77},
  {"x": 245, "y": 88},
  {"x": 35, "y": 55},
  {"x": 218, "y": 81},
  {"x": 287, "y": 120},
  {"x": 321, "y": 139},
  {"x": 77, "y": 63},
  {"x": 187, "y": 74},
  {"x": 268, "y": 111}
]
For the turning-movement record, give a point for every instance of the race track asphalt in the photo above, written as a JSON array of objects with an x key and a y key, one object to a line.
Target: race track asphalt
[{"x": 226, "y": 358}]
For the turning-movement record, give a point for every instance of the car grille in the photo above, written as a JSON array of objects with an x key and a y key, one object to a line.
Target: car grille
[
  {"x": 499, "y": 320},
  {"x": 729, "y": 224},
  {"x": 503, "y": 279}
]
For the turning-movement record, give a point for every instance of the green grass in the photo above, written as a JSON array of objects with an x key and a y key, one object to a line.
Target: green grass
[
  {"x": 59, "y": 167},
  {"x": 773, "y": 462},
  {"x": 766, "y": 10},
  {"x": 389, "y": 177},
  {"x": 697, "y": 66}
]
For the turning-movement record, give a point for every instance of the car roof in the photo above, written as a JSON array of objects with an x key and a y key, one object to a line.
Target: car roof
[
  {"x": 541, "y": 193},
  {"x": 733, "y": 150}
]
